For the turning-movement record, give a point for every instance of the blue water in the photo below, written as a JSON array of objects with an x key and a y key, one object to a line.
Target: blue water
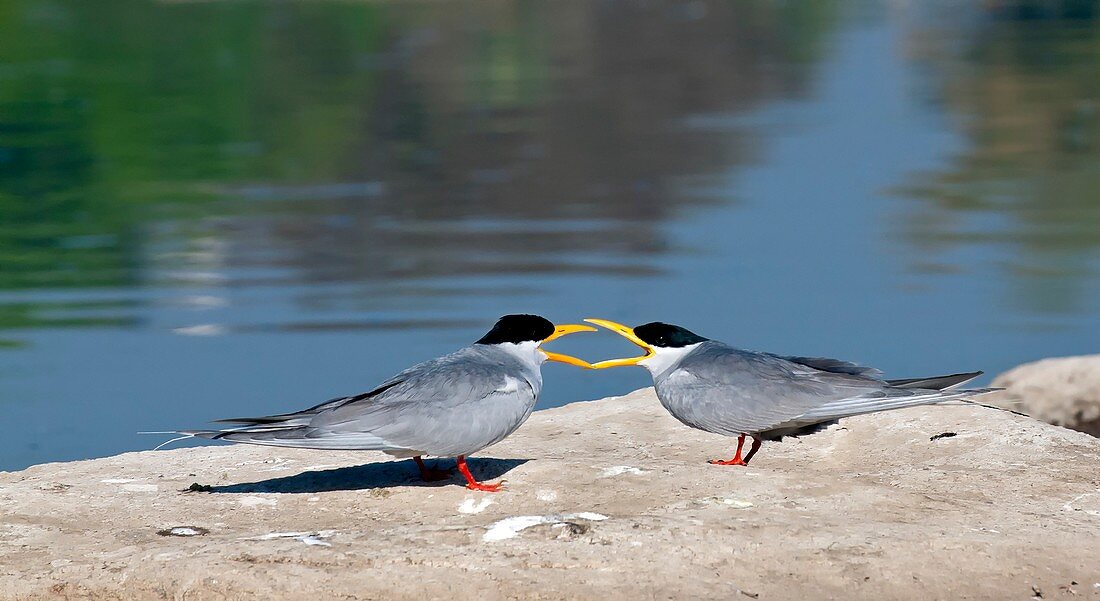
[{"x": 245, "y": 234}]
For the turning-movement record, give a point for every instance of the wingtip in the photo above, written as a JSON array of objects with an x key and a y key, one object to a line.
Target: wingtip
[{"x": 177, "y": 439}]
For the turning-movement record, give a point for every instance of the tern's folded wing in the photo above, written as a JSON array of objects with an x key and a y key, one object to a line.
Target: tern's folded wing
[
  {"x": 722, "y": 389},
  {"x": 460, "y": 396},
  {"x": 437, "y": 404}
]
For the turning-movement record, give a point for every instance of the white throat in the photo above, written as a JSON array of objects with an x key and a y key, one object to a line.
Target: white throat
[
  {"x": 527, "y": 351},
  {"x": 665, "y": 358}
]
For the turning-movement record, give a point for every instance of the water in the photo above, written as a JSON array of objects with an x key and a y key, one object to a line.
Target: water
[{"x": 231, "y": 208}]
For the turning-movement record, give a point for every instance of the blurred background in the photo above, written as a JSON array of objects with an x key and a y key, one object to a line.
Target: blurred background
[{"x": 218, "y": 208}]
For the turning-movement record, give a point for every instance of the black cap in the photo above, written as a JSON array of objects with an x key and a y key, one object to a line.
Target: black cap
[
  {"x": 666, "y": 335},
  {"x": 518, "y": 328}
]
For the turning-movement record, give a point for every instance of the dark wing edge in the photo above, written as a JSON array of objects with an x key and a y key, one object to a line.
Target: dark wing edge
[
  {"x": 936, "y": 382},
  {"x": 836, "y": 366},
  {"x": 312, "y": 411}
]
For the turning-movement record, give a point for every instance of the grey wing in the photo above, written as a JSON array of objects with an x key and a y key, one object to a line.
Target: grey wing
[
  {"x": 731, "y": 391},
  {"x": 447, "y": 408},
  {"x": 838, "y": 366},
  {"x": 292, "y": 429},
  {"x": 413, "y": 411},
  {"x": 303, "y": 417}
]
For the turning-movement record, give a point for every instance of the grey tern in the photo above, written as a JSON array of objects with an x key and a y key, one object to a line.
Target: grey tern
[
  {"x": 714, "y": 387},
  {"x": 451, "y": 406}
]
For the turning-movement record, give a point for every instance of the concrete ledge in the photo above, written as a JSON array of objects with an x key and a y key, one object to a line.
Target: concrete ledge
[{"x": 610, "y": 499}]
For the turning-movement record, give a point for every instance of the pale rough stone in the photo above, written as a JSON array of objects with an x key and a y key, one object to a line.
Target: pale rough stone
[
  {"x": 1064, "y": 391},
  {"x": 868, "y": 509}
]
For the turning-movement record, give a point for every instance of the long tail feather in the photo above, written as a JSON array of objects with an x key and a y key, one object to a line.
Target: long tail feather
[
  {"x": 970, "y": 402},
  {"x": 935, "y": 382},
  {"x": 296, "y": 436},
  {"x": 850, "y": 407},
  {"x": 167, "y": 442}
]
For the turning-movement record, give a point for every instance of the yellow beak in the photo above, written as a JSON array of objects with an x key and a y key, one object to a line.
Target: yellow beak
[
  {"x": 565, "y": 330},
  {"x": 625, "y": 332}
]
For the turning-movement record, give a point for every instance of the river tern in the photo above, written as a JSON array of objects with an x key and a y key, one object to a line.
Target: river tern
[
  {"x": 714, "y": 387},
  {"x": 451, "y": 406}
]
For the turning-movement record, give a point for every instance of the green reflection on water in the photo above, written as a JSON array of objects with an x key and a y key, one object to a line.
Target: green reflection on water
[
  {"x": 118, "y": 116},
  {"x": 112, "y": 112},
  {"x": 1027, "y": 97},
  {"x": 64, "y": 314}
]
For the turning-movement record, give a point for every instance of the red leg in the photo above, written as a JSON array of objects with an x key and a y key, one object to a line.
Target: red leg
[
  {"x": 473, "y": 484},
  {"x": 737, "y": 456},
  {"x": 752, "y": 451},
  {"x": 430, "y": 475}
]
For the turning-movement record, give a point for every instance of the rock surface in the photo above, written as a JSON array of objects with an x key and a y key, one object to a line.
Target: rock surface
[
  {"x": 1064, "y": 391},
  {"x": 611, "y": 499}
]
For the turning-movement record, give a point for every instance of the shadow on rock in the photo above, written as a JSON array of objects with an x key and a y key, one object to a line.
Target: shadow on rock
[{"x": 372, "y": 475}]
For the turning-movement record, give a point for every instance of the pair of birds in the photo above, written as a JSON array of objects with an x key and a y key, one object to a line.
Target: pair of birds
[{"x": 460, "y": 403}]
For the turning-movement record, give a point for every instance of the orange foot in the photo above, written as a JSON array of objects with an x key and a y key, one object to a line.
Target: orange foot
[
  {"x": 485, "y": 487},
  {"x": 737, "y": 456},
  {"x": 734, "y": 461},
  {"x": 472, "y": 483}
]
